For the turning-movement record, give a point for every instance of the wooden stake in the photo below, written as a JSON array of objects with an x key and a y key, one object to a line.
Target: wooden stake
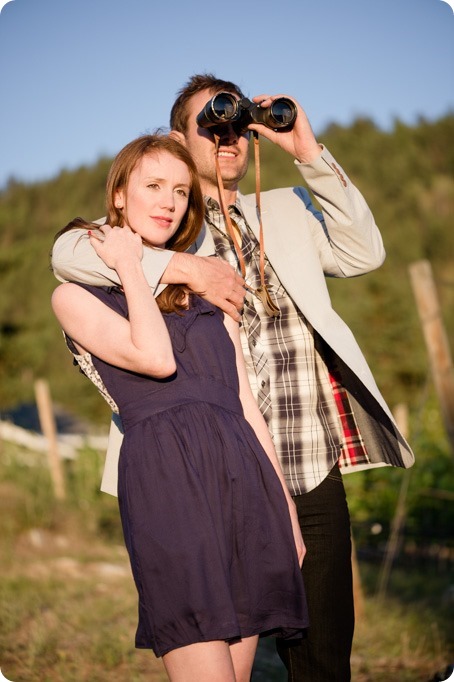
[
  {"x": 358, "y": 597},
  {"x": 47, "y": 421},
  {"x": 436, "y": 341},
  {"x": 401, "y": 416}
]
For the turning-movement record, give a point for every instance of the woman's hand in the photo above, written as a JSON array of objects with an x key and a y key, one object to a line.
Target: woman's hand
[{"x": 120, "y": 246}]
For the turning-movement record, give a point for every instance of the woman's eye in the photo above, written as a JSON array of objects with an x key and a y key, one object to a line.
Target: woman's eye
[
  {"x": 153, "y": 185},
  {"x": 182, "y": 192}
]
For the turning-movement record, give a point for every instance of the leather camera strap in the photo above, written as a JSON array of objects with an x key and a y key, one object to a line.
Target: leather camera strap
[
  {"x": 261, "y": 292},
  {"x": 225, "y": 210}
]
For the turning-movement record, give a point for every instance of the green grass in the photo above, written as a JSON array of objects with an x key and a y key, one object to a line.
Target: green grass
[{"x": 68, "y": 603}]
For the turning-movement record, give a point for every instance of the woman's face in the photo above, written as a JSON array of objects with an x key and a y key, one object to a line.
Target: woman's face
[{"x": 156, "y": 197}]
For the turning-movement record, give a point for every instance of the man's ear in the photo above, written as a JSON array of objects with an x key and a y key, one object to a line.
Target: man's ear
[{"x": 179, "y": 137}]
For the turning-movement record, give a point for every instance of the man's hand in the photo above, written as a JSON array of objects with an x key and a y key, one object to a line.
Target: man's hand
[
  {"x": 211, "y": 277},
  {"x": 300, "y": 141}
]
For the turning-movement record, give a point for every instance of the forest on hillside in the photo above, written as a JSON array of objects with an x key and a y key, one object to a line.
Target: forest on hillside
[{"x": 407, "y": 177}]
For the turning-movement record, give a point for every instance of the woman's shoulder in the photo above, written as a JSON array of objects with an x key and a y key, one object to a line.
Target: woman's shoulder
[{"x": 112, "y": 296}]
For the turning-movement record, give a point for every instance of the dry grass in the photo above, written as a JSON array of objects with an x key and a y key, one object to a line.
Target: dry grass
[
  {"x": 68, "y": 607},
  {"x": 68, "y": 604}
]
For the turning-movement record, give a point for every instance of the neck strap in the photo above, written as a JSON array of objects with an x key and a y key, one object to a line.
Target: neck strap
[{"x": 261, "y": 292}]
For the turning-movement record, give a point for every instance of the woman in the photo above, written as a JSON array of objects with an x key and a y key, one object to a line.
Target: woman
[{"x": 210, "y": 527}]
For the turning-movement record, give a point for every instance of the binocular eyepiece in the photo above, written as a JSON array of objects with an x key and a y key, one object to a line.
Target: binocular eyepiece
[{"x": 225, "y": 108}]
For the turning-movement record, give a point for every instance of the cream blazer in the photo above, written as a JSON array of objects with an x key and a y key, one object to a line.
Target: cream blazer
[{"x": 303, "y": 246}]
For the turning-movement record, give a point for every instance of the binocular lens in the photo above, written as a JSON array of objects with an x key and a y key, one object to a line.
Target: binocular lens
[
  {"x": 224, "y": 106},
  {"x": 282, "y": 112}
]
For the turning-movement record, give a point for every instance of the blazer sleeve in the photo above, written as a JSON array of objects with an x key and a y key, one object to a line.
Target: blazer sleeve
[
  {"x": 75, "y": 260},
  {"x": 345, "y": 233}
]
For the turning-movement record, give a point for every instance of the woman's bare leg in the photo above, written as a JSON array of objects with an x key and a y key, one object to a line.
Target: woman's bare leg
[
  {"x": 201, "y": 662},
  {"x": 214, "y": 661},
  {"x": 243, "y": 653}
]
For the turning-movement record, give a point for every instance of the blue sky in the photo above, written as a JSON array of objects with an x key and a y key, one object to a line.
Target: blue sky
[{"x": 81, "y": 78}]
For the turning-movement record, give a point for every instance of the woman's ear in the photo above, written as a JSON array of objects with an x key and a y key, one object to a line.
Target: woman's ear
[
  {"x": 119, "y": 199},
  {"x": 179, "y": 137}
]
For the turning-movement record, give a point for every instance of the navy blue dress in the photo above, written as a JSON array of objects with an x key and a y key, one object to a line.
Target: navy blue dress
[{"x": 204, "y": 516}]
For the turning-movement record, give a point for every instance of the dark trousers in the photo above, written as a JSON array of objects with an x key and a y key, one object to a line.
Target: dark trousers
[{"x": 324, "y": 656}]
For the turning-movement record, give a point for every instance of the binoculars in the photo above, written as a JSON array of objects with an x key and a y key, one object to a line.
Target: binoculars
[{"x": 225, "y": 108}]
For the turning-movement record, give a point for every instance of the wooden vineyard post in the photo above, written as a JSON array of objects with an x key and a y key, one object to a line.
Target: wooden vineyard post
[
  {"x": 436, "y": 341},
  {"x": 358, "y": 597},
  {"x": 47, "y": 421},
  {"x": 392, "y": 546}
]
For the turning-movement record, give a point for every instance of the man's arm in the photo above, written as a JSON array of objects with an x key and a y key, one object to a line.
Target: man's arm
[
  {"x": 75, "y": 260},
  {"x": 348, "y": 240},
  {"x": 212, "y": 278}
]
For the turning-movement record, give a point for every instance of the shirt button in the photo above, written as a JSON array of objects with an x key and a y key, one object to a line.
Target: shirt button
[{"x": 263, "y": 384}]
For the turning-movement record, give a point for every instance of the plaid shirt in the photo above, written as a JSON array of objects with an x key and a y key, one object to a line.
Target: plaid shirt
[{"x": 305, "y": 408}]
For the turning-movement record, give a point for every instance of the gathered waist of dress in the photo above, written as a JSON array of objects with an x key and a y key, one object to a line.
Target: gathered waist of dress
[{"x": 194, "y": 389}]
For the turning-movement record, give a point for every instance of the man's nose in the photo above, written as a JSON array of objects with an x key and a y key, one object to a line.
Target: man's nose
[{"x": 228, "y": 134}]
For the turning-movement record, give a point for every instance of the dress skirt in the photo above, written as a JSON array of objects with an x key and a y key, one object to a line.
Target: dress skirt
[{"x": 204, "y": 515}]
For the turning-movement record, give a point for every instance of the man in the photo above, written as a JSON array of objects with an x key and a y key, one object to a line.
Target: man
[{"x": 310, "y": 378}]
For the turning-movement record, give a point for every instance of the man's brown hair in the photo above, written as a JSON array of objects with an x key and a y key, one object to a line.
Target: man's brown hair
[{"x": 207, "y": 81}]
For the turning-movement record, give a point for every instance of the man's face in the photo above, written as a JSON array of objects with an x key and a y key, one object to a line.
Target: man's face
[{"x": 233, "y": 153}]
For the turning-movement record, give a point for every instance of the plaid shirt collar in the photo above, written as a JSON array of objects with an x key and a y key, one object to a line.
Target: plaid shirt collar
[{"x": 214, "y": 215}]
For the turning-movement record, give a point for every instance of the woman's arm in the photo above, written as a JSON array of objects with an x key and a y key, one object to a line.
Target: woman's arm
[
  {"x": 256, "y": 420},
  {"x": 140, "y": 343}
]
